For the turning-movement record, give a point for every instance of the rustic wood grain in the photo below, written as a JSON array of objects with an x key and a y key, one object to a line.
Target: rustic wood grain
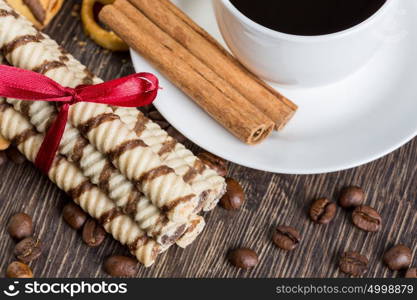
[{"x": 390, "y": 184}]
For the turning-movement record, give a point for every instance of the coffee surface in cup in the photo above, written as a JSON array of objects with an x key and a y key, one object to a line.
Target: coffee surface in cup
[{"x": 308, "y": 17}]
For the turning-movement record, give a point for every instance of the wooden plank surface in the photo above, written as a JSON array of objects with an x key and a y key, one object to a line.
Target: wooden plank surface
[{"x": 272, "y": 199}]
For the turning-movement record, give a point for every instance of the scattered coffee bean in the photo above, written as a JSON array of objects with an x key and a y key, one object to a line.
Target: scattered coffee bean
[
  {"x": 322, "y": 211},
  {"x": 176, "y": 135},
  {"x": 411, "y": 273},
  {"x": 28, "y": 249},
  {"x": 243, "y": 258},
  {"x": 3, "y": 158},
  {"x": 216, "y": 163},
  {"x": 234, "y": 197},
  {"x": 398, "y": 257},
  {"x": 20, "y": 226},
  {"x": 74, "y": 215},
  {"x": 367, "y": 218},
  {"x": 93, "y": 233},
  {"x": 351, "y": 196},
  {"x": 121, "y": 266},
  {"x": 353, "y": 263},
  {"x": 18, "y": 270},
  {"x": 286, "y": 237},
  {"x": 15, "y": 156}
]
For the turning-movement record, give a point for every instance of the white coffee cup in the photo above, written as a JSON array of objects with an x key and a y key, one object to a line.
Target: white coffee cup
[{"x": 301, "y": 60}]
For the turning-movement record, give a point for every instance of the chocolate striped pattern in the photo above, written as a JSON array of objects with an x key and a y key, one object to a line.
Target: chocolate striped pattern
[
  {"x": 19, "y": 42},
  {"x": 48, "y": 66},
  {"x": 6, "y": 13}
]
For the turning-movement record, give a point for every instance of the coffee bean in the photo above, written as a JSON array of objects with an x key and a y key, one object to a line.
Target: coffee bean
[
  {"x": 286, "y": 237},
  {"x": 351, "y": 196},
  {"x": 353, "y": 263},
  {"x": 15, "y": 156},
  {"x": 18, "y": 270},
  {"x": 243, "y": 258},
  {"x": 74, "y": 215},
  {"x": 411, "y": 273},
  {"x": 322, "y": 211},
  {"x": 234, "y": 197},
  {"x": 93, "y": 233},
  {"x": 20, "y": 226},
  {"x": 216, "y": 163},
  {"x": 3, "y": 158},
  {"x": 367, "y": 218},
  {"x": 176, "y": 135},
  {"x": 398, "y": 257},
  {"x": 121, "y": 266},
  {"x": 28, "y": 249}
]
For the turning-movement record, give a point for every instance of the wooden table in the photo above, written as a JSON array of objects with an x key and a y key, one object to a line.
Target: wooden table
[{"x": 272, "y": 199}]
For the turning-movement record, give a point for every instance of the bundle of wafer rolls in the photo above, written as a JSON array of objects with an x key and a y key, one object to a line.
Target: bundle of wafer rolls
[
  {"x": 200, "y": 67},
  {"x": 145, "y": 188}
]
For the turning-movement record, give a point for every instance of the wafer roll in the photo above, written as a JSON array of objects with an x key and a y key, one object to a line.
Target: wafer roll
[
  {"x": 21, "y": 46},
  {"x": 69, "y": 178}
]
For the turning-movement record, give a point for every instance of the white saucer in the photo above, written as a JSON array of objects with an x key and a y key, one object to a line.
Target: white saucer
[{"x": 339, "y": 126}]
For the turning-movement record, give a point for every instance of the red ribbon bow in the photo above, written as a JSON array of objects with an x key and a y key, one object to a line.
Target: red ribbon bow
[{"x": 131, "y": 91}]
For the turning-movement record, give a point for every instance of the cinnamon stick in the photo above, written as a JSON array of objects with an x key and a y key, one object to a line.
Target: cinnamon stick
[
  {"x": 236, "y": 114},
  {"x": 143, "y": 23},
  {"x": 179, "y": 26}
]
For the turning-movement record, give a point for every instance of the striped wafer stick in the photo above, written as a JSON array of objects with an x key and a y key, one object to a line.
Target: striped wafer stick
[
  {"x": 20, "y": 44},
  {"x": 69, "y": 178}
]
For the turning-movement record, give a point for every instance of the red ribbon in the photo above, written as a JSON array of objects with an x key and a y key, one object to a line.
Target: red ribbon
[{"x": 131, "y": 91}]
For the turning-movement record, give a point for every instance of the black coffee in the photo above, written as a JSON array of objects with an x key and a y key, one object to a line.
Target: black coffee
[{"x": 308, "y": 17}]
